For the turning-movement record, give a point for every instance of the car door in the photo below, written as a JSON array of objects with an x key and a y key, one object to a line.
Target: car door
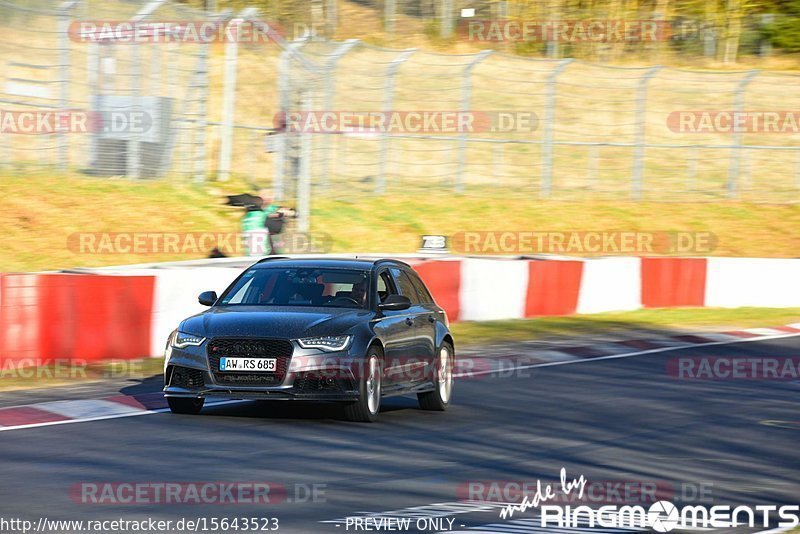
[
  {"x": 426, "y": 320},
  {"x": 417, "y": 360},
  {"x": 396, "y": 329}
]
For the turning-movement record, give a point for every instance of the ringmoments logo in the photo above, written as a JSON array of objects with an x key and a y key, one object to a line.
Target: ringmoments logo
[{"x": 661, "y": 516}]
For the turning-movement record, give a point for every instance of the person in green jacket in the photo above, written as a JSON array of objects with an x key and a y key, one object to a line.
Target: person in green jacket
[{"x": 254, "y": 229}]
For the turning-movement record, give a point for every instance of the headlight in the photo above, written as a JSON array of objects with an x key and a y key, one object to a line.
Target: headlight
[
  {"x": 182, "y": 340},
  {"x": 326, "y": 343}
]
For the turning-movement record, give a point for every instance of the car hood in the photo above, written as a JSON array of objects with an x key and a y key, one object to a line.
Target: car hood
[{"x": 281, "y": 322}]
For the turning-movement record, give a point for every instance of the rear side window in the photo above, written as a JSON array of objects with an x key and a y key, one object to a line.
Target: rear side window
[
  {"x": 405, "y": 285},
  {"x": 424, "y": 295},
  {"x": 385, "y": 286}
]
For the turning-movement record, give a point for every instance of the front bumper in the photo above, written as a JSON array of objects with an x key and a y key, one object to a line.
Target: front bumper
[
  {"x": 309, "y": 375},
  {"x": 304, "y": 386},
  {"x": 264, "y": 394}
]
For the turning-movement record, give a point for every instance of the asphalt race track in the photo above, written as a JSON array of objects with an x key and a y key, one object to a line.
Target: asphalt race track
[{"x": 617, "y": 420}]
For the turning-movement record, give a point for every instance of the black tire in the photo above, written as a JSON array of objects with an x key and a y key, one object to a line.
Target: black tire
[
  {"x": 360, "y": 410},
  {"x": 434, "y": 400},
  {"x": 185, "y": 406}
]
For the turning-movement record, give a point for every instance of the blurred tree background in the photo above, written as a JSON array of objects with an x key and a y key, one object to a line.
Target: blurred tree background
[{"x": 722, "y": 31}]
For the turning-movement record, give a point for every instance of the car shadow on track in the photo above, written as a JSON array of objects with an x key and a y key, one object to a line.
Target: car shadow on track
[
  {"x": 148, "y": 393},
  {"x": 145, "y": 386},
  {"x": 300, "y": 410}
]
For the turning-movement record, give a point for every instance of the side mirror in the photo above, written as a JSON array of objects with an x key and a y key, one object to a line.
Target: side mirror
[
  {"x": 395, "y": 303},
  {"x": 207, "y": 298}
]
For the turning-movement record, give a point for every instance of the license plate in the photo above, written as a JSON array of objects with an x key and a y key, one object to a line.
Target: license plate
[{"x": 265, "y": 365}]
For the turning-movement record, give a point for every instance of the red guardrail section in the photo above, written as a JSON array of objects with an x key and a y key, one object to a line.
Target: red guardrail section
[
  {"x": 670, "y": 282},
  {"x": 76, "y": 317},
  {"x": 93, "y": 317},
  {"x": 19, "y": 318},
  {"x": 553, "y": 287}
]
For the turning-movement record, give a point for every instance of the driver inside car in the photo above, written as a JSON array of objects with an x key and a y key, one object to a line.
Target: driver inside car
[{"x": 359, "y": 293}]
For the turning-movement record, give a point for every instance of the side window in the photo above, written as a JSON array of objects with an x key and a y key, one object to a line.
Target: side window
[
  {"x": 424, "y": 295},
  {"x": 405, "y": 285},
  {"x": 385, "y": 286}
]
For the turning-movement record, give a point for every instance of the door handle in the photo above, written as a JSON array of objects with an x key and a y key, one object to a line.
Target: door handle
[
  {"x": 409, "y": 321},
  {"x": 431, "y": 319}
]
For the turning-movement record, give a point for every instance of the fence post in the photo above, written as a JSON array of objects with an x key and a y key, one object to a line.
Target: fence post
[
  {"x": 388, "y": 100},
  {"x": 736, "y": 149},
  {"x": 284, "y": 98},
  {"x": 641, "y": 130},
  {"x": 330, "y": 91},
  {"x": 64, "y": 12},
  {"x": 389, "y": 9},
  {"x": 466, "y": 95},
  {"x": 331, "y": 18},
  {"x": 229, "y": 94},
  {"x": 549, "y": 125},
  {"x": 446, "y": 29},
  {"x": 304, "y": 178},
  {"x": 135, "y": 137},
  {"x": 201, "y": 117}
]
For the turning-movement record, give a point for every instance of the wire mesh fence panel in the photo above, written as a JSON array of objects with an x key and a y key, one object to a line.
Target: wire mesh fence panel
[
  {"x": 347, "y": 118},
  {"x": 121, "y": 101}
]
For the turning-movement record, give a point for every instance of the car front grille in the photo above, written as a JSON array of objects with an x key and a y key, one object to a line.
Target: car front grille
[
  {"x": 280, "y": 349},
  {"x": 186, "y": 378}
]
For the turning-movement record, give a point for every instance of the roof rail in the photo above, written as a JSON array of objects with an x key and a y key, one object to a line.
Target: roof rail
[
  {"x": 268, "y": 258},
  {"x": 391, "y": 260}
]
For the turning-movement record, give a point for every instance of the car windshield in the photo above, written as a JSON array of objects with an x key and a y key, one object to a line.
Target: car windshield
[{"x": 274, "y": 286}]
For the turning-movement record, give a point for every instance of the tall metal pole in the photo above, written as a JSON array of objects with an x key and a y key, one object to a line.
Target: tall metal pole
[
  {"x": 446, "y": 20},
  {"x": 549, "y": 126},
  {"x": 641, "y": 130},
  {"x": 466, "y": 95},
  {"x": 290, "y": 52},
  {"x": 388, "y": 105},
  {"x": 304, "y": 178},
  {"x": 134, "y": 166},
  {"x": 330, "y": 91},
  {"x": 64, "y": 12},
  {"x": 389, "y": 8},
  {"x": 736, "y": 151},
  {"x": 202, "y": 115},
  {"x": 229, "y": 96},
  {"x": 228, "y": 109}
]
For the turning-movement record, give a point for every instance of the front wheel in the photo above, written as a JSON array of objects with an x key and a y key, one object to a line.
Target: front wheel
[
  {"x": 366, "y": 408},
  {"x": 439, "y": 399},
  {"x": 185, "y": 406}
]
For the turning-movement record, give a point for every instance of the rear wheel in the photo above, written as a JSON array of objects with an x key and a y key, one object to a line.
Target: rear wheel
[
  {"x": 368, "y": 405},
  {"x": 185, "y": 406},
  {"x": 439, "y": 398}
]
